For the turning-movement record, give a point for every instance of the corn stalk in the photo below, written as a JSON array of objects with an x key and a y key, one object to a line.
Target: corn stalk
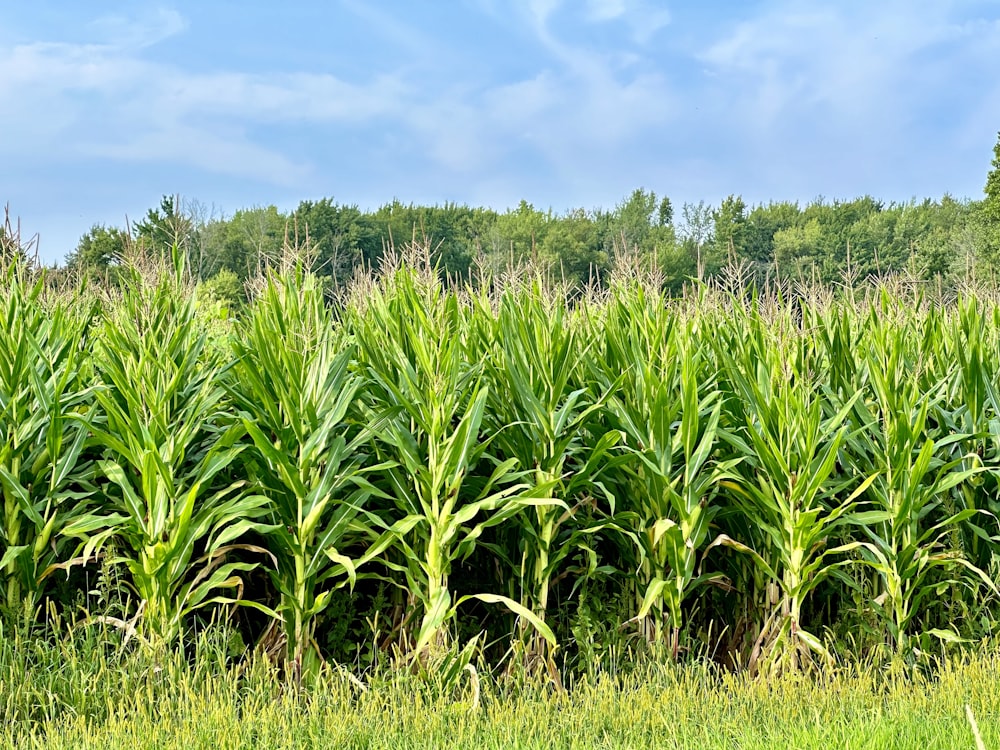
[
  {"x": 46, "y": 479},
  {"x": 162, "y": 423},
  {"x": 669, "y": 410},
  {"x": 906, "y": 530},
  {"x": 296, "y": 397},
  {"x": 442, "y": 480},
  {"x": 543, "y": 418},
  {"x": 788, "y": 492}
]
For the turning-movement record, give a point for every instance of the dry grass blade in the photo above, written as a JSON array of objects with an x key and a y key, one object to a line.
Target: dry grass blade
[{"x": 980, "y": 745}]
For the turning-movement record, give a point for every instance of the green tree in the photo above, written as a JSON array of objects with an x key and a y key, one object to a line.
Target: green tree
[
  {"x": 343, "y": 235},
  {"x": 185, "y": 227},
  {"x": 698, "y": 240},
  {"x": 730, "y": 221},
  {"x": 640, "y": 224},
  {"x": 250, "y": 240},
  {"x": 762, "y": 224},
  {"x": 572, "y": 248},
  {"x": 446, "y": 231},
  {"x": 665, "y": 212},
  {"x": 224, "y": 290},
  {"x": 633, "y": 219},
  {"x": 98, "y": 250},
  {"x": 520, "y": 231},
  {"x": 989, "y": 216},
  {"x": 678, "y": 266},
  {"x": 797, "y": 249},
  {"x": 165, "y": 226},
  {"x": 950, "y": 243}
]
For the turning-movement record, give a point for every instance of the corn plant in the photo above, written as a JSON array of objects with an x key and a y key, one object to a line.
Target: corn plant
[
  {"x": 787, "y": 491},
  {"x": 669, "y": 411},
  {"x": 46, "y": 480},
  {"x": 970, "y": 354},
  {"x": 163, "y": 427},
  {"x": 906, "y": 529},
  {"x": 295, "y": 393},
  {"x": 443, "y": 480},
  {"x": 542, "y": 416}
]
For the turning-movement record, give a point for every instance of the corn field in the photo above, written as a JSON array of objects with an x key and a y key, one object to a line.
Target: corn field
[{"x": 775, "y": 479}]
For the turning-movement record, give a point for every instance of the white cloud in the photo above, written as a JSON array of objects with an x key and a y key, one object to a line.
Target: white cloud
[
  {"x": 852, "y": 58},
  {"x": 878, "y": 97},
  {"x": 47, "y": 68},
  {"x": 645, "y": 19},
  {"x": 295, "y": 97},
  {"x": 234, "y": 155},
  {"x": 389, "y": 26},
  {"x": 605, "y": 10},
  {"x": 580, "y": 106},
  {"x": 137, "y": 32},
  {"x": 84, "y": 100},
  {"x": 540, "y": 10}
]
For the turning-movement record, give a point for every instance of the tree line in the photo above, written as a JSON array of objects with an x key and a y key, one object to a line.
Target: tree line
[{"x": 822, "y": 241}]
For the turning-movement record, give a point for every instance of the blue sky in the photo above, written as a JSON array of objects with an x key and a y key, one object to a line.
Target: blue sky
[{"x": 564, "y": 103}]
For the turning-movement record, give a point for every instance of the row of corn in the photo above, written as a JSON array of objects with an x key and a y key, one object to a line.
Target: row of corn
[{"x": 772, "y": 466}]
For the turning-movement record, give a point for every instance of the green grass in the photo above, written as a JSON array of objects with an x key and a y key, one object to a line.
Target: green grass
[{"x": 81, "y": 695}]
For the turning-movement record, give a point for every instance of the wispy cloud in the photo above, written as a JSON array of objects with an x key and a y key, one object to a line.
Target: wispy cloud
[
  {"x": 568, "y": 101},
  {"x": 854, "y": 58},
  {"x": 584, "y": 97},
  {"x": 296, "y": 97},
  {"x": 225, "y": 153},
  {"x": 540, "y": 10},
  {"x": 605, "y": 10},
  {"x": 390, "y": 27},
  {"x": 645, "y": 19},
  {"x": 107, "y": 99},
  {"x": 841, "y": 91},
  {"x": 147, "y": 28}
]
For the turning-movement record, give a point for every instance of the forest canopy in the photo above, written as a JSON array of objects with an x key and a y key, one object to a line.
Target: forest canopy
[{"x": 822, "y": 241}]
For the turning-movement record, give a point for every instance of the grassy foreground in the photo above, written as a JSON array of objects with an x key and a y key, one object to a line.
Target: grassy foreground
[{"x": 82, "y": 693}]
